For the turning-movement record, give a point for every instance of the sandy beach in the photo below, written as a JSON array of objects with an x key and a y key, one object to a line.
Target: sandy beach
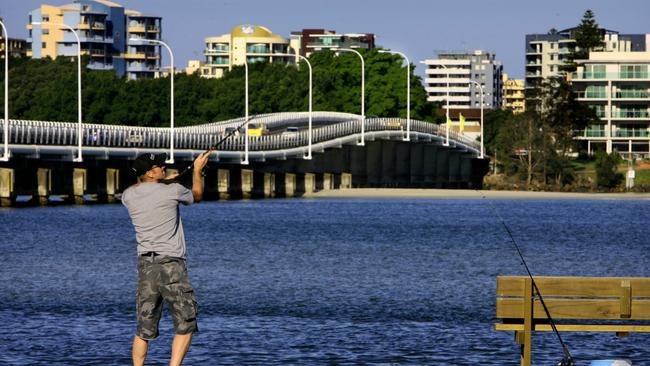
[{"x": 463, "y": 193}]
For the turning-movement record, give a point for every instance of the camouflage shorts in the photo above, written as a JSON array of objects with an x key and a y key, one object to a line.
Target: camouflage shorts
[{"x": 164, "y": 278}]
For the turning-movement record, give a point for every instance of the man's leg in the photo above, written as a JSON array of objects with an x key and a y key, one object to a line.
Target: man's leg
[
  {"x": 179, "y": 348},
  {"x": 139, "y": 352}
]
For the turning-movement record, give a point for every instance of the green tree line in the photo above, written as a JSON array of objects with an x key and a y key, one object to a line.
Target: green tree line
[{"x": 45, "y": 89}]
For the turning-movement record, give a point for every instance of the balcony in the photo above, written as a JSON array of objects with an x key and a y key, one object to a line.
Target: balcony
[
  {"x": 140, "y": 67},
  {"x": 576, "y": 76},
  {"x": 631, "y": 114},
  {"x": 258, "y": 49},
  {"x": 590, "y": 95},
  {"x": 631, "y": 132},
  {"x": 632, "y": 94},
  {"x": 136, "y": 29}
]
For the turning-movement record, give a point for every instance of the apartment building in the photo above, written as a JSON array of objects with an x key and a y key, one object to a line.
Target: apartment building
[
  {"x": 456, "y": 75},
  {"x": 245, "y": 43},
  {"x": 547, "y": 53},
  {"x": 514, "y": 98},
  {"x": 104, "y": 29},
  {"x": 617, "y": 86},
  {"x": 309, "y": 41}
]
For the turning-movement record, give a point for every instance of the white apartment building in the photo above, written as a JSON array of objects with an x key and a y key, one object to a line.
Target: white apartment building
[
  {"x": 617, "y": 86},
  {"x": 454, "y": 76}
]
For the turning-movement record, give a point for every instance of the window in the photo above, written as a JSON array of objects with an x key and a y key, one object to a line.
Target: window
[
  {"x": 46, "y": 31},
  {"x": 44, "y": 45},
  {"x": 634, "y": 71},
  {"x": 595, "y": 71},
  {"x": 46, "y": 19}
]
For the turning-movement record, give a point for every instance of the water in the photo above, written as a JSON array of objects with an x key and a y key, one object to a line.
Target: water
[{"x": 280, "y": 282}]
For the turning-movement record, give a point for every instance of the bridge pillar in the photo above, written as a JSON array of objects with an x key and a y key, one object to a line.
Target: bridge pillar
[
  {"x": 44, "y": 181},
  {"x": 324, "y": 181},
  {"x": 246, "y": 183},
  {"x": 373, "y": 163},
  {"x": 416, "y": 165},
  {"x": 430, "y": 164},
  {"x": 358, "y": 166},
  {"x": 480, "y": 167},
  {"x": 345, "y": 181},
  {"x": 211, "y": 184},
  {"x": 466, "y": 170},
  {"x": 402, "y": 164},
  {"x": 289, "y": 185},
  {"x": 263, "y": 184},
  {"x": 454, "y": 169},
  {"x": 79, "y": 184},
  {"x": 112, "y": 184},
  {"x": 442, "y": 167},
  {"x": 7, "y": 180},
  {"x": 223, "y": 183},
  {"x": 388, "y": 165},
  {"x": 309, "y": 180}
]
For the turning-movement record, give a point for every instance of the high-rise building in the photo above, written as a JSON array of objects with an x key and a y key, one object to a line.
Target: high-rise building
[
  {"x": 245, "y": 43},
  {"x": 514, "y": 98},
  {"x": 104, "y": 29},
  {"x": 308, "y": 41},
  {"x": 456, "y": 74},
  {"x": 617, "y": 86},
  {"x": 547, "y": 53},
  {"x": 17, "y": 47}
]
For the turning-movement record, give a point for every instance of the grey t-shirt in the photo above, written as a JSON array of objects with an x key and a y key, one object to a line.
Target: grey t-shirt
[{"x": 154, "y": 211}]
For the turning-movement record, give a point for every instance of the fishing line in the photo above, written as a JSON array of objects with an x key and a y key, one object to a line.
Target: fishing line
[
  {"x": 567, "y": 360},
  {"x": 213, "y": 147}
]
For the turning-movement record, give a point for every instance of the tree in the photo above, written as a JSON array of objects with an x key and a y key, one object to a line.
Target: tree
[{"x": 588, "y": 38}]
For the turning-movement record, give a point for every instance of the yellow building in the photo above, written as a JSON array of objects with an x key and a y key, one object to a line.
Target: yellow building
[
  {"x": 245, "y": 43},
  {"x": 514, "y": 98}
]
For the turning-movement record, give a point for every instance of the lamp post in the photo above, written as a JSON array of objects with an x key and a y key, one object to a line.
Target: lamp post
[
  {"x": 446, "y": 143},
  {"x": 363, "y": 94},
  {"x": 5, "y": 156},
  {"x": 79, "y": 158},
  {"x": 245, "y": 161},
  {"x": 171, "y": 109},
  {"x": 301, "y": 57},
  {"x": 482, "y": 102},
  {"x": 408, "y": 92}
]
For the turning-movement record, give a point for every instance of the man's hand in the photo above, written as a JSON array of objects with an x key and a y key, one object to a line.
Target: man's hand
[{"x": 201, "y": 161}]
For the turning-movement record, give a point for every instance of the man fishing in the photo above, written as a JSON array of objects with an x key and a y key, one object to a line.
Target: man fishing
[{"x": 153, "y": 205}]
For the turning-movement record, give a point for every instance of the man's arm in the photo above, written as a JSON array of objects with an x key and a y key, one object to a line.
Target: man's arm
[{"x": 197, "y": 177}]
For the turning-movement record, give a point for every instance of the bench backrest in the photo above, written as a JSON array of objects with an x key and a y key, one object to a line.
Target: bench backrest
[{"x": 620, "y": 298}]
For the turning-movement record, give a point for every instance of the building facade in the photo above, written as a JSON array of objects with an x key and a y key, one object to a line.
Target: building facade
[
  {"x": 514, "y": 98},
  {"x": 104, "y": 29},
  {"x": 455, "y": 75},
  {"x": 309, "y": 41},
  {"x": 547, "y": 53},
  {"x": 617, "y": 86},
  {"x": 245, "y": 43}
]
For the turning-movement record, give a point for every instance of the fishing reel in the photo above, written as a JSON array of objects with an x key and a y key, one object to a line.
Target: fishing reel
[{"x": 567, "y": 361}]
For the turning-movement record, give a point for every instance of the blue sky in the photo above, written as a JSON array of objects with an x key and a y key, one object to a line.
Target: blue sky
[{"x": 415, "y": 27}]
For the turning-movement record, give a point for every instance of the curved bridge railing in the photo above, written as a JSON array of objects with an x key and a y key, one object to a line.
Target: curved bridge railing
[{"x": 327, "y": 126}]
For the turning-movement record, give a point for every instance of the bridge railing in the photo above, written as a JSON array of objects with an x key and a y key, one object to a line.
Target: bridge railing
[{"x": 327, "y": 126}]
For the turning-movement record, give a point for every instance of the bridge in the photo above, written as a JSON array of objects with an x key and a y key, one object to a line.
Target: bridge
[{"x": 334, "y": 153}]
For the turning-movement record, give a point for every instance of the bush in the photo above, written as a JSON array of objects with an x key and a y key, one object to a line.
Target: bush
[{"x": 606, "y": 165}]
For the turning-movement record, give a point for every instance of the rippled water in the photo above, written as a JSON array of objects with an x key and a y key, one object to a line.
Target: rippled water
[{"x": 279, "y": 282}]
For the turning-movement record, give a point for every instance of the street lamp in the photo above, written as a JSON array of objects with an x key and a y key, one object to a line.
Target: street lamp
[
  {"x": 482, "y": 102},
  {"x": 308, "y": 156},
  {"x": 363, "y": 94},
  {"x": 5, "y": 157},
  {"x": 408, "y": 92},
  {"x": 78, "y": 159},
  {"x": 245, "y": 161},
  {"x": 446, "y": 143},
  {"x": 171, "y": 110}
]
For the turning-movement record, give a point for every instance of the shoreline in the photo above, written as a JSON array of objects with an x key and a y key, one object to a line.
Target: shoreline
[{"x": 467, "y": 194}]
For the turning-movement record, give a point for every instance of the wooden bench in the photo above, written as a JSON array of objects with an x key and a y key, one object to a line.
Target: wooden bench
[{"x": 576, "y": 304}]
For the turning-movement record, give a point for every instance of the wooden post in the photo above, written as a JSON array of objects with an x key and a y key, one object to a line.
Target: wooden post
[{"x": 526, "y": 347}]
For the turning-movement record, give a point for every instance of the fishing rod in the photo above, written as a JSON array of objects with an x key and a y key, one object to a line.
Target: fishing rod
[
  {"x": 567, "y": 360},
  {"x": 211, "y": 148}
]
